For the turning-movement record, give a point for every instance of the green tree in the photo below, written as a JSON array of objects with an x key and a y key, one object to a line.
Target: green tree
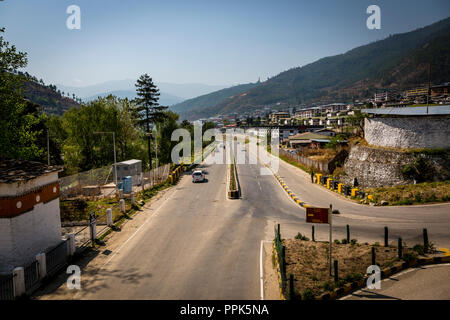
[
  {"x": 148, "y": 110},
  {"x": 357, "y": 120},
  {"x": 18, "y": 118},
  {"x": 165, "y": 129}
]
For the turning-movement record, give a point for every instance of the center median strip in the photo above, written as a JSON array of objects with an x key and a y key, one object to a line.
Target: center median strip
[{"x": 290, "y": 193}]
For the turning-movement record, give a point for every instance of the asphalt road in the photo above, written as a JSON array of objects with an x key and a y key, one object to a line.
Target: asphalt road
[
  {"x": 366, "y": 222},
  {"x": 198, "y": 244}
]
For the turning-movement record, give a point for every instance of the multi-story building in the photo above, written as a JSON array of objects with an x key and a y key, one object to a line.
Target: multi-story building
[
  {"x": 416, "y": 92},
  {"x": 440, "y": 89},
  {"x": 277, "y": 117},
  {"x": 334, "y": 107},
  {"x": 385, "y": 96}
]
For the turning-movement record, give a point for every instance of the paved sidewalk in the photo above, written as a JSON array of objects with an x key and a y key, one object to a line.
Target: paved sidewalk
[{"x": 431, "y": 282}]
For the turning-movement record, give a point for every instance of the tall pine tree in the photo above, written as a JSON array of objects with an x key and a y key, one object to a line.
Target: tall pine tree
[{"x": 148, "y": 110}]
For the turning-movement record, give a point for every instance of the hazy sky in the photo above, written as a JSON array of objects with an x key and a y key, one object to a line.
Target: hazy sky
[{"x": 211, "y": 42}]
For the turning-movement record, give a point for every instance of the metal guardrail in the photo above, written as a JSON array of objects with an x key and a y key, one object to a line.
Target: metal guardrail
[
  {"x": 56, "y": 257},
  {"x": 7, "y": 287},
  {"x": 31, "y": 273}
]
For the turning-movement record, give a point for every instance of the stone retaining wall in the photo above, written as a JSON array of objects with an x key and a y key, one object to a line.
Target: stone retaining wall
[
  {"x": 408, "y": 132},
  {"x": 376, "y": 167}
]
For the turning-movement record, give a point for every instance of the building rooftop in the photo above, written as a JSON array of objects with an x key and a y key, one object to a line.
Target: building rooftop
[
  {"x": 308, "y": 136},
  {"x": 129, "y": 162},
  {"x": 12, "y": 170},
  {"x": 410, "y": 111}
]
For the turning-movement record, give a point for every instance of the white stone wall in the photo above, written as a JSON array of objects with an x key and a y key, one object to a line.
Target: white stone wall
[
  {"x": 16, "y": 188},
  {"x": 408, "y": 132},
  {"x": 28, "y": 234}
]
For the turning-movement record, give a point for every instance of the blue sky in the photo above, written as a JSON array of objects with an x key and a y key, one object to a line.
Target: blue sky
[{"x": 190, "y": 41}]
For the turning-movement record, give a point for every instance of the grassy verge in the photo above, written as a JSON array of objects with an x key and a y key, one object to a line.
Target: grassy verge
[
  {"x": 79, "y": 209},
  {"x": 232, "y": 178},
  {"x": 426, "y": 192},
  {"x": 290, "y": 161}
]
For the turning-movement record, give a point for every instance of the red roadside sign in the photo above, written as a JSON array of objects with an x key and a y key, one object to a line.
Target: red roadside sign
[{"x": 317, "y": 215}]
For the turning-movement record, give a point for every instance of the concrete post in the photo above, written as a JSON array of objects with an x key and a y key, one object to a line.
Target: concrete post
[
  {"x": 132, "y": 199},
  {"x": 19, "y": 281},
  {"x": 71, "y": 244},
  {"x": 121, "y": 194},
  {"x": 42, "y": 263},
  {"x": 122, "y": 205},
  {"x": 109, "y": 219}
]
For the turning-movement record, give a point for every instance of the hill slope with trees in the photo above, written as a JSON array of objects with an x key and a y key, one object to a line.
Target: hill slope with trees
[{"x": 398, "y": 62}]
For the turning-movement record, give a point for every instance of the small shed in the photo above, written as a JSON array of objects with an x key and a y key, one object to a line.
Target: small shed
[{"x": 131, "y": 168}]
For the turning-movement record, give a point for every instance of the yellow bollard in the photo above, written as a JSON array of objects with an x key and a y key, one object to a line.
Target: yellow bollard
[
  {"x": 340, "y": 187},
  {"x": 318, "y": 176},
  {"x": 171, "y": 179},
  {"x": 329, "y": 181},
  {"x": 354, "y": 191}
]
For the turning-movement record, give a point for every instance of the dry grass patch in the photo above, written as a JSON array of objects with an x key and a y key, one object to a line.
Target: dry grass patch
[{"x": 308, "y": 262}]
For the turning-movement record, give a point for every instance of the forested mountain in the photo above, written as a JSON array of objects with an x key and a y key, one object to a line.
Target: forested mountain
[
  {"x": 193, "y": 108},
  {"x": 399, "y": 61},
  {"x": 48, "y": 97}
]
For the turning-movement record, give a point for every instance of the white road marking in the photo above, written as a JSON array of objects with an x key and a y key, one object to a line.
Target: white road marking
[{"x": 261, "y": 269}]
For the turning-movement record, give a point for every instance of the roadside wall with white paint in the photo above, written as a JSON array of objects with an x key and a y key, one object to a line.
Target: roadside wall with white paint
[{"x": 408, "y": 132}]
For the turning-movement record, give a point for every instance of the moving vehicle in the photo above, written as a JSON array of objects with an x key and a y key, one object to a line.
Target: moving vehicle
[{"x": 198, "y": 176}]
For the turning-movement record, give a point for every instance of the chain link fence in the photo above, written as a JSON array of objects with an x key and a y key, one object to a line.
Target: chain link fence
[
  {"x": 72, "y": 186},
  {"x": 156, "y": 176}
]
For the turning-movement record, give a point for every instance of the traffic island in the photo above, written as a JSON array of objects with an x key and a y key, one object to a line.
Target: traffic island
[
  {"x": 233, "y": 183},
  {"x": 303, "y": 266}
]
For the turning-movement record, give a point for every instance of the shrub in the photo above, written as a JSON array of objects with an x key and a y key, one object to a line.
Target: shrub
[
  {"x": 314, "y": 278},
  {"x": 353, "y": 277},
  {"x": 377, "y": 244},
  {"x": 80, "y": 204},
  {"x": 408, "y": 257},
  {"x": 328, "y": 286},
  {"x": 301, "y": 237},
  {"x": 307, "y": 294},
  {"x": 337, "y": 241},
  {"x": 344, "y": 241},
  {"x": 353, "y": 241},
  {"x": 419, "y": 249}
]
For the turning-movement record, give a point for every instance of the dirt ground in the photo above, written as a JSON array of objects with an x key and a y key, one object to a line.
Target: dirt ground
[{"x": 308, "y": 262}]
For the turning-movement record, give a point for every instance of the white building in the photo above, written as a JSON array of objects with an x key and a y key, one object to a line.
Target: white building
[
  {"x": 131, "y": 168},
  {"x": 30, "y": 221}
]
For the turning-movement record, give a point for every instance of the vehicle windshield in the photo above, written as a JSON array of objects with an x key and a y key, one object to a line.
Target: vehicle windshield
[{"x": 197, "y": 173}]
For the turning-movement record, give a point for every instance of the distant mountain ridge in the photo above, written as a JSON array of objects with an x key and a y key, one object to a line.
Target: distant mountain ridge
[
  {"x": 194, "y": 108},
  {"x": 165, "y": 99},
  {"x": 397, "y": 62},
  {"x": 180, "y": 90}
]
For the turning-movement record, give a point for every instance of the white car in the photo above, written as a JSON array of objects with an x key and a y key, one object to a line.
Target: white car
[{"x": 198, "y": 176}]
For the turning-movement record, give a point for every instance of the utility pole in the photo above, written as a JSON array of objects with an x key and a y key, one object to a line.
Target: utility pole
[
  {"x": 429, "y": 84},
  {"x": 114, "y": 146},
  {"x": 48, "y": 148},
  {"x": 156, "y": 144}
]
